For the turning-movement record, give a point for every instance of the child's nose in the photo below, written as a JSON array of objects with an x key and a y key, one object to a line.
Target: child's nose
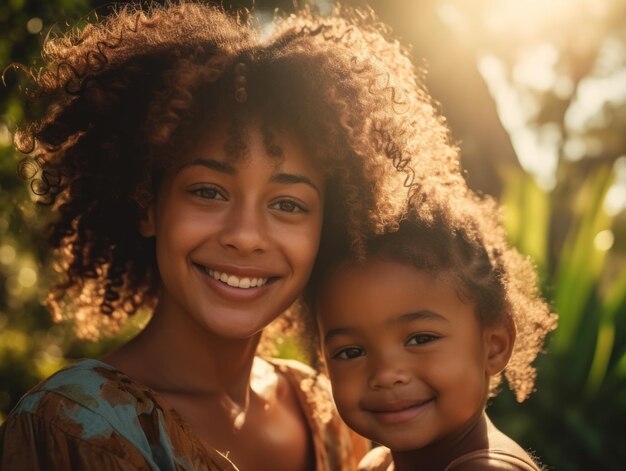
[
  {"x": 244, "y": 229},
  {"x": 387, "y": 374}
]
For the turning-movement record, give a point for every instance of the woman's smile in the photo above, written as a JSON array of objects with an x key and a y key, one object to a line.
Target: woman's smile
[{"x": 236, "y": 280}]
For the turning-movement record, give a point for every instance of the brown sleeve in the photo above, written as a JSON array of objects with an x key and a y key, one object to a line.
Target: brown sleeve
[
  {"x": 28, "y": 442},
  {"x": 378, "y": 459},
  {"x": 360, "y": 446}
]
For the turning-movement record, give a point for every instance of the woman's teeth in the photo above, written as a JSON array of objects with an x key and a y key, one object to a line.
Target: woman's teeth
[{"x": 235, "y": 281}]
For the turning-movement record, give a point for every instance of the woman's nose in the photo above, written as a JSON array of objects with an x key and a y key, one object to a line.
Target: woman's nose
[{"x": 245, "y": 229}]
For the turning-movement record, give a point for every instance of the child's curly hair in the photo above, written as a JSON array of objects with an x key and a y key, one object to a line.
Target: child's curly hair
[
  {"x": 130, "y": 93},
  {"x": 464, "y": 237}
]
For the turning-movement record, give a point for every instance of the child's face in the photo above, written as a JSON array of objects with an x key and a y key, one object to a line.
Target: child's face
[
  {"x": 236, "y": 241},
  {"x": 408, "y": 361}
]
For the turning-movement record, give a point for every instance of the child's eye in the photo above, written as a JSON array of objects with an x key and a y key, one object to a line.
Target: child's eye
[
  {"x": 421, "y": 339},
  {"x": 288, "y": 206},
  {"x": 208, "y": 193},
  {"x": 349, "y": 353}
]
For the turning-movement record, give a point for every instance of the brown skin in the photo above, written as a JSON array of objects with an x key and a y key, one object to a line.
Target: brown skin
[
  {"x": 259, "y": 219},
  {"x": 410, "y": 362},
  {"x": 481, "y": 435}
]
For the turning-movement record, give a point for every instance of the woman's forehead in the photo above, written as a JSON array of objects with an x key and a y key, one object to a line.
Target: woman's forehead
[{"x": 227, "y": 149}]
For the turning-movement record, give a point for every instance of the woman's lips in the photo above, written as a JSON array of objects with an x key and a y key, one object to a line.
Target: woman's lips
[
  {"x": 237, "y": 287},
  {"x": 243, "y": 282}
]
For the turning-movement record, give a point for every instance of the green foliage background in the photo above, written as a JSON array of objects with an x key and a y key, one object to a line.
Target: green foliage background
[{"x": 577, "y": 417}]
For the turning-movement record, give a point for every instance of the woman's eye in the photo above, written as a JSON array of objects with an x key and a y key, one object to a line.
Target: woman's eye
[
  {"x": 349, "y": 353},
  {"x": 288, "y": 206},
  {"x": 208, "y": 193},
  {"x": 421, "y": 339}
]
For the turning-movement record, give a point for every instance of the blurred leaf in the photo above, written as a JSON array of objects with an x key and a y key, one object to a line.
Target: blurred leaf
[
  {"x": 527, "y": 215},
  {"x": 606, "y": 334},
  {"x": 580, "y": 262}
]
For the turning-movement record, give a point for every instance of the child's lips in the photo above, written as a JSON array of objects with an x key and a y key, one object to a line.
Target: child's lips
[{"x": 399, "y": 411}]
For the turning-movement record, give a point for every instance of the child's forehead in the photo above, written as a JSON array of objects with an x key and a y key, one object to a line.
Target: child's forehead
[
  {"x": 371, "y": 266},
  {"x": 377, "y": 273},
  {"x": 389, "y": 293}
]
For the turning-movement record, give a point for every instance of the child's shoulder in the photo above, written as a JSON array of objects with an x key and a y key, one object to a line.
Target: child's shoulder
[
  {"x": 503, "y": 454},
  {"x": 380, "y": 459},
  {"x": 493, "y": 459}
]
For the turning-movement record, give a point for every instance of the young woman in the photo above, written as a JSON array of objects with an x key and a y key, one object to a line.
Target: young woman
[{"x": 196, "y": 164}]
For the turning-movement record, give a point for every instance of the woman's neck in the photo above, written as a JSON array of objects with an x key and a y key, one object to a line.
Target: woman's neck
[
  {"x": 437, "y": 455},
  {"x": 174, "y": 355}
]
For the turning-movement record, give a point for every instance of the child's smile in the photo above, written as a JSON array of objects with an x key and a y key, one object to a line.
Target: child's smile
[
  {"x": 398, "y": 411},
  {"x": 407, "y": 358},
  {"x": 236, "y": 239}
]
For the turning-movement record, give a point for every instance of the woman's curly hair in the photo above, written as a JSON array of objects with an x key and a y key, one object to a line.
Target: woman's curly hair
[
  {"x": 464, "y": 237},
  {"x": 128, "y": 94}
]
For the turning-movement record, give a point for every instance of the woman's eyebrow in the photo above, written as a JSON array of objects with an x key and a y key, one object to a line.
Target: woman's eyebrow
[
  {"x": 294, "y": 178},
  {"x": 211, "y": 164},
  {"x": 288, "y": 178}
]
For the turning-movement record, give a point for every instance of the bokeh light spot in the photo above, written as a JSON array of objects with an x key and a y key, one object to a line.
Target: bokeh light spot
[
  {"x": 7, "y": 254},
  {"x": 27, "y": 277},
  {"x": 5, "y": 135},
  {"x": 603, "y": 240},
  {"x": 34, "y": 25}
]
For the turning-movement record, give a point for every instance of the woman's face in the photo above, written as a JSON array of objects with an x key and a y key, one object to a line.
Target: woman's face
[{"x": 236, "y": 239}]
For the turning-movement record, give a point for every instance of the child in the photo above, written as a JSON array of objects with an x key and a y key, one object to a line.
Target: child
[
  {"x": 417, "y": 336},
  {"x": 195, "y": 167}
]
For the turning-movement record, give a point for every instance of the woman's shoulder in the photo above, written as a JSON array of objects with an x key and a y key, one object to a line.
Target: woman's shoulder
[
  {"x": 85, "y": 389},
  {"x": 337, "y": 447},
  {"x": 73, "y": 415},
  {"x": 92, "y": 416},
  {"x": 311, "y": 388},
  {"x": 292, "y": 367}
]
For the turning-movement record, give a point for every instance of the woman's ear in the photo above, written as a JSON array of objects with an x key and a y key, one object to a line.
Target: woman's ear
[
  {"x": 499, "y": 341},
  {"x": 146, "y": 222}
]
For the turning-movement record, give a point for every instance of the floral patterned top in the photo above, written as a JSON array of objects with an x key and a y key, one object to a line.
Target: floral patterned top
[{"x": 92, "y": 416}]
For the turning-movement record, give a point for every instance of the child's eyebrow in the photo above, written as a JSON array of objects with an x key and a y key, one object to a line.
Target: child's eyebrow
[
  {"x": 337, "y": 333},
  {"x": 211, "y": 164},
  {"x": 416, "y": 316},
  {"x": 402, "y": 319}
]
